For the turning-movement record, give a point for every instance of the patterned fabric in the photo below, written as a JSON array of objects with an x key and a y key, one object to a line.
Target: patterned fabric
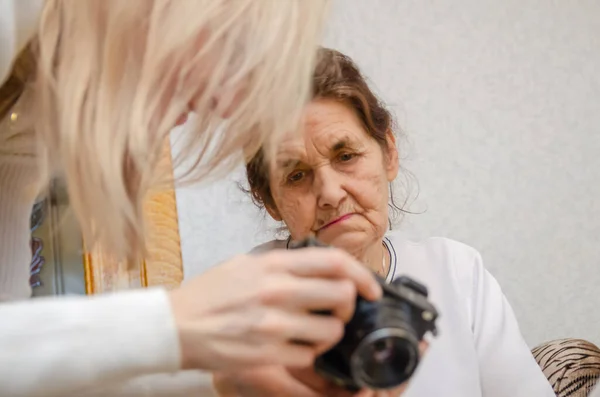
[
  {"x": 571, "y": 365},
  {"x": 37, "y": 245}
]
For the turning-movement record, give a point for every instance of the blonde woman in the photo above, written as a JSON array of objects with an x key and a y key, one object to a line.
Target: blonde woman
[{"x": 90, "y": 90}]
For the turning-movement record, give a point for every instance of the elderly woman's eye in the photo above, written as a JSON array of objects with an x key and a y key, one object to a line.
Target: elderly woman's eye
[
  {"x": 296, "y": 176},
  {"x": 346, "y": 157}
]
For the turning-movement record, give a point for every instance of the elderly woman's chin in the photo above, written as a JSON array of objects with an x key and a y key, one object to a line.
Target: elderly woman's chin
[{"x": 351, "y": 236}]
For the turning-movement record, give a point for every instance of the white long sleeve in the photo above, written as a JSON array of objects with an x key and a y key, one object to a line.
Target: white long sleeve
[
  {"x": 59, "y": 346},
  {"x": 507, "y": 367}
]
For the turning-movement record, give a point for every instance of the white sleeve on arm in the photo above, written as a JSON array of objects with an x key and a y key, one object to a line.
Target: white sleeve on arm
[
  {"x": 59, "y": 346},
  {"x": 507, "y": 367},
  {"x": 18, "y": 22}
]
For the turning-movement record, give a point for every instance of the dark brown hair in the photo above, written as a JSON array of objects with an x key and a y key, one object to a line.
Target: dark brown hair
[{"x": 336, "y": 77}]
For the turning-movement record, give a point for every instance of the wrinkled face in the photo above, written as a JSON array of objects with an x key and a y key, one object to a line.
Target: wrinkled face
[{"x": 332, "y": 181}]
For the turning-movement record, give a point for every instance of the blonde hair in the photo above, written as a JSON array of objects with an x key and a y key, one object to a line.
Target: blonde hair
[{"x": 113, "y": 76}]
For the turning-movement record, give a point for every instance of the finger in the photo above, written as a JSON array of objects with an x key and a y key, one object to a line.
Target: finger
[
  {"x": 224, "y": 385},
  {"x": 397, "y": 392},
  {"x": 290, "y": 387},
  {"x": 309, "y": 377},
  {"x": 423, "y": 347},
  {"x": 316, "y": 382},
  {"x": 270, "y": 381},
  {"x": 312, "y": 329},
  {"x": 337, "y": 391},
  {"x": 288, "y": 354},
  {"x": 331, "y": 263},
  {"x": 335, "y": 296}
]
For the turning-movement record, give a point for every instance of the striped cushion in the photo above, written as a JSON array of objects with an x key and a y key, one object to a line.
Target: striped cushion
[{"x": 571, "y": 365}]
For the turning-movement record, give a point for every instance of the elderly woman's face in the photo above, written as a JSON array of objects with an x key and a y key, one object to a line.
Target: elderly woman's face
[{"x": 333, "y": 180}]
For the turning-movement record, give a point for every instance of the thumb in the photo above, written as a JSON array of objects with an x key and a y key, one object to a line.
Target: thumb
[{"x": 223, "y": 386}]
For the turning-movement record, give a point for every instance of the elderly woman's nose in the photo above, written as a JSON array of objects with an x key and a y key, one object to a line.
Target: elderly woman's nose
[{"x": 328, "y": 188}]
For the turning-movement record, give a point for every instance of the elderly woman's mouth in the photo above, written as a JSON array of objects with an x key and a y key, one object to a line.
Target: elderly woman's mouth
[{"x": 336, "y": 221}]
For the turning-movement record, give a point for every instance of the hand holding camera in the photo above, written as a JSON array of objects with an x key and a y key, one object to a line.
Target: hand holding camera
[
  {"x": 379, "y": 351},
  {"x": 380, "y": 346},
  {"x": 254, "y": 307}
]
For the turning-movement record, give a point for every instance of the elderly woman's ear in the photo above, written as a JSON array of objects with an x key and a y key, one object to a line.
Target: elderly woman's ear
[{"x": 391, "y": 156}]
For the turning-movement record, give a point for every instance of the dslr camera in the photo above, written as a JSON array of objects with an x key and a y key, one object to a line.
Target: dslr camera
[{"x": 380, "y": 346}]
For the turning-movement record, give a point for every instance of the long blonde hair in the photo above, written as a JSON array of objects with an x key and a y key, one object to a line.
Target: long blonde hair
[{"x": 113, "y": 76}]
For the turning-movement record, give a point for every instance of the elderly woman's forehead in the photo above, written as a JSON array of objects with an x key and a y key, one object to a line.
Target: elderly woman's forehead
[
  {"x": 331, "y": 121},
  {"x": 326, "y": 111},
  {"x": 326, "y": 124},
  {"x": 323, "y": 140}
]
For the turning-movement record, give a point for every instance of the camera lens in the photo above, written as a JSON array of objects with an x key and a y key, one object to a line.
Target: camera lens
[
  {"x": 385, "y": 359},
  {"x": 383, "y": 351}
]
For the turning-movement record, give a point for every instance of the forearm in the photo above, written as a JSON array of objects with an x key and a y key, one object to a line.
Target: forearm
[{"x": 60, "y": 346}]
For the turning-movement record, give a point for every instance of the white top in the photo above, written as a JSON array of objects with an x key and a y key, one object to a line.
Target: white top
[
  {"x": 76, "y": 346},
  {"x": 479, "y": 351}
]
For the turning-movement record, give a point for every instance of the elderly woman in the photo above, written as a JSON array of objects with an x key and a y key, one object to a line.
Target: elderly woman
[{"x": 333, "y": 182}]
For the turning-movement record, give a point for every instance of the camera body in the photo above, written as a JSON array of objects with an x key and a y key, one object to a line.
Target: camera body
[{"x": 380, "y": 346}]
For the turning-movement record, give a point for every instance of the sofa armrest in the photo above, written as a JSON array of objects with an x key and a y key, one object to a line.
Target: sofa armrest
[{"x": 572, "y": 366}]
